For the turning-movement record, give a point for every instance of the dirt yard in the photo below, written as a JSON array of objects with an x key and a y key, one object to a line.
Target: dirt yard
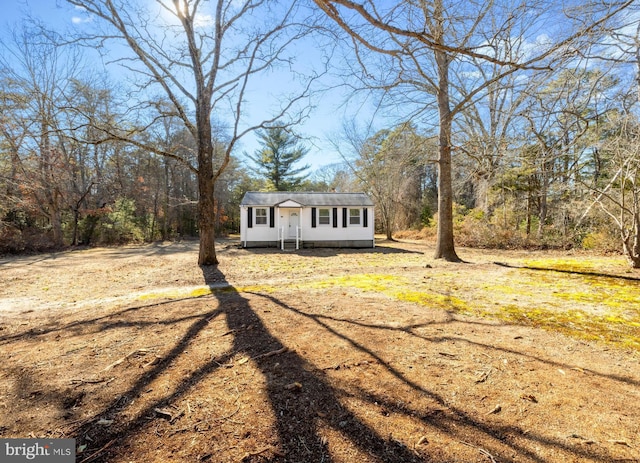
[{"x": 326, "y": 355}]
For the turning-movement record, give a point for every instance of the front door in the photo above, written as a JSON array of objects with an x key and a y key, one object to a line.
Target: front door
[{"x": 294, "y": 221}]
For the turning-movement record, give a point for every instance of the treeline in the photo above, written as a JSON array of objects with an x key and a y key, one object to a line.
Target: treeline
[
  {"x": 552, "y": 168},
  {"x": 540, "y": 158},
  {"x": 62, "y": 182},
  {"x": 550, "y": 179}
]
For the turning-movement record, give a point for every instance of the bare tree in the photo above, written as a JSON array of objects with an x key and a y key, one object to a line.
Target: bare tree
[
  {"x": 336, "y": 177},
  {"x": 12, "y": 135},
  {"x": 203, "y": 56},
  {"x": 487, "y": 128},
  {"x": 38, "y": 73},
  {"x": 389, "y": 166},
  {"x": 619, "y": 197},
  {"x": 424, "y": 41},
  {"x": 560, "y": 121}
]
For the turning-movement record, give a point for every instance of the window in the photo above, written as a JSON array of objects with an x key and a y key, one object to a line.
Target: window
[
  {"x": 323, "y": 217},
  {"x": 354, "y": 216},
  {"x": 261, "y": 216}
]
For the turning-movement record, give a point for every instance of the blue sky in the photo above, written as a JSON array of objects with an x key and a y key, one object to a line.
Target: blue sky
[
  {"x": 55, "y": 12},
  {"x": 325, "y": 121}
]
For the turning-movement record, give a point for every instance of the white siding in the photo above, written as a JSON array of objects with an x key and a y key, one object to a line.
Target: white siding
[
  {"x": 329, "y": 233},
  {"x": 319, "y": 233},
  {"x": 257, "y": 232}
]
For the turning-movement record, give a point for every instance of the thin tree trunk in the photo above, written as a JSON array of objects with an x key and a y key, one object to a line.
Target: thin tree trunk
[
  {"x": 56, "y": 226},
  {"x": 165, "y": 203},
  {"x": 76, "y": 217},
  {"x": 544, "y": 207},
  {"x": 529, "y": 210},
  {"x": 48, "y": 178}
]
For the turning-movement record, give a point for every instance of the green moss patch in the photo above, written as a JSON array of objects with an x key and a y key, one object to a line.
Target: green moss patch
[
  {"x": 614, "y": 329},
  {"x": 565, "y": 295},
  {"x": 614, "y": 318}
]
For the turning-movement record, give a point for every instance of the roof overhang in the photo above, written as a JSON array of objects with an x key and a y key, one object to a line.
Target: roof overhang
[
  {"x": 289, "y": 203},
  {"x": 290, "y": 199}
]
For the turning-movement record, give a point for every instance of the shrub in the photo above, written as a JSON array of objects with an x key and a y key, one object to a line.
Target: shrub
[
  {"x": 11, "y": 239},
  {"x": 120, "y": 226},
  {"x": 601, "y": 241},
  {"x": 14, "y": 240}
]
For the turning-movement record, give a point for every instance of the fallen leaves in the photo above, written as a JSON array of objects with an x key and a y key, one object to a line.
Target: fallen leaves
[
  {"x": 483, "y": 376},
  {"x": 171, "y": 415},
  {"x": 529, "y": 397},
  {"x": 497, "y": 409},
  {"x": 372, "y": 358},
  {"x": 134, "y": 353},
  {"x": 295, "y": 386}
]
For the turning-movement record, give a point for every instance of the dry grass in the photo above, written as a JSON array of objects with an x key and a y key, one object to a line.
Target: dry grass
[{"x": 323, "y": 355}]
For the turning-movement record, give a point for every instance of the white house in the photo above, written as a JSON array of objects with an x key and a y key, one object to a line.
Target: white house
[{"x": 306, "y": 220}]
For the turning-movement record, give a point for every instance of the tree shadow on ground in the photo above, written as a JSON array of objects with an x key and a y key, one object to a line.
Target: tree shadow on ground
[
  {"x": 299, "y": 397},
  {"x": 302, "y": 399},
  {"x": 413, "y": 330},
  {"x": 454, "y": 421},
  {"x": 571, "y": 272},
  {"x": 332, "y": 252}
]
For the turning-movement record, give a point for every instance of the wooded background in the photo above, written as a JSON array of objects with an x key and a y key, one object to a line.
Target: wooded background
[{"x": 542, "y": 103}]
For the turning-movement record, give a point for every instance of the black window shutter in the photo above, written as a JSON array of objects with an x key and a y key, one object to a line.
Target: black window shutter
[
  {"x": 313, "y": 217},
  {"x": 344, "y": 217},
  {"x": 335, "y": 217},
  {"x": 250, "y": 217},
  {"x": 272, "y": 217},
  {"x": 365, "y": 217}
]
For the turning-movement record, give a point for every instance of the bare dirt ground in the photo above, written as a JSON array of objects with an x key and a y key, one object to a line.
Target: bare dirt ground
[{"x": 326, "y": 355}]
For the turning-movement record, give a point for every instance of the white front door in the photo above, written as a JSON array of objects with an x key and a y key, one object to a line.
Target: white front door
[{"x": 294, "y": 221}]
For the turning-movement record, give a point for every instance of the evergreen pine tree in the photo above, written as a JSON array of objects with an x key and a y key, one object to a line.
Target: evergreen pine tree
[{"x": 275, "y": 161}]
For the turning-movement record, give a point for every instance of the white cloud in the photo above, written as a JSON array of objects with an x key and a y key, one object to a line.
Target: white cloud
[
  {"x": 203, "y": 20},
  {"x": 79, "y": 20}
]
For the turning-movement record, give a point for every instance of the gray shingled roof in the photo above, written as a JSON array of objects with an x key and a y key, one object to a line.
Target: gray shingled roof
[{"x": 257, "y": 198}]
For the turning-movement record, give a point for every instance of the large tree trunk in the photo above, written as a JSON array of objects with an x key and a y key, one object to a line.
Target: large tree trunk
[
  {"x": 445, "y": 248},
  {"x": 206, "y": 203},
  {"x": 388, "y": 224},
  {"x": 206, "y": 221},
  {"x": 165, "y": 201},
  {"x": 483, "y": 183}
]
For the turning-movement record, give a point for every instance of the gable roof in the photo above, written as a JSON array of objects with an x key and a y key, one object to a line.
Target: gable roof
[{"x": 273, "y": 198}]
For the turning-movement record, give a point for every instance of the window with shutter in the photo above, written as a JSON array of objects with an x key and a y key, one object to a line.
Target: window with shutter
[
  {"x": 354, "y": 216},
  {"x": 324, "y": 217}
]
